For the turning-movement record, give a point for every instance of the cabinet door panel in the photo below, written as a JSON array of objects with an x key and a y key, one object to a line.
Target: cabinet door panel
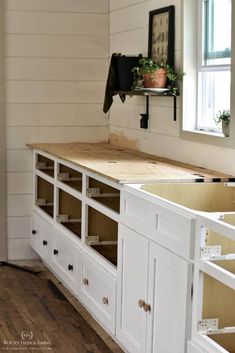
[
  {"x": 169, "y": 297},
  {"x": 132, "y": 287}
]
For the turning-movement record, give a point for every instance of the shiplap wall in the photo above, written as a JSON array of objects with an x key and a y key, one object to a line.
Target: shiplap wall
[
  {"x": 56, "y": 57},
  {"x": 129, "y": 35}
]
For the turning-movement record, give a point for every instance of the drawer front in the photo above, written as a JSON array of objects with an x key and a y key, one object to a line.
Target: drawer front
[
  {"x": 169, "y": 228},
  {"x": 41, "y": 237},
  {"x": 65, "y": 255},
  {"x": 97, "y": 289}
]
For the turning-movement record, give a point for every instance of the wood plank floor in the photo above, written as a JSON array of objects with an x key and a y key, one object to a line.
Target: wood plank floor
[{"x": 36, "y": 317}]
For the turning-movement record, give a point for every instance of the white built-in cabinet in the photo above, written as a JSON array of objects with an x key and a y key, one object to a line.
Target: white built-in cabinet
[
  {"x": 75, "y": 230},
  {"x": 152, "y": 295},
  {"x": 154, "y": 264}
]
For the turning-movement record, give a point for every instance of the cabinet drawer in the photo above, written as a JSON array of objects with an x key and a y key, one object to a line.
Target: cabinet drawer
[
  {"x": 41, "y": 237},
  {"x": 65, "y": 255},
  {"x": 97, "y": 289},
  {"x": 169, "y": 228}
]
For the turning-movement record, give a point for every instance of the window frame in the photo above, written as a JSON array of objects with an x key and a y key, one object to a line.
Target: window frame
[
  {"x": 188, "y": 92},
  {"x": 203, "y": 67}
]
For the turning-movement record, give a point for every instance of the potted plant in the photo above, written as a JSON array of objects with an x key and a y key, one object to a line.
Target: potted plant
[
  {"x": 155, "y": 75},
  {"x": 224, "y": 118}
]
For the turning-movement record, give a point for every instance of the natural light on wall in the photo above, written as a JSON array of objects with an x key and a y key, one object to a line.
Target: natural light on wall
[{"x": 207, "y": 63}]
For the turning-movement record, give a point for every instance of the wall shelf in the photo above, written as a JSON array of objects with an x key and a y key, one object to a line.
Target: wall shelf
[{"x": 150, "y": 93}]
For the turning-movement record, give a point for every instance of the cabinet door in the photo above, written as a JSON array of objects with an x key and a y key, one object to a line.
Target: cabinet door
[
  {"x": 169, "y": 299},
  {"x": 41, "y": 237},
  {"x": 132, "y": 287},
  {"x": 65, "y": 255}
]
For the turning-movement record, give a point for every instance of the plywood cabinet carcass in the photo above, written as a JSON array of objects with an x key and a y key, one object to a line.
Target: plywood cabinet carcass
[
  {"x": 214, "y": 283},
  {"x": 153, "y": 296}
]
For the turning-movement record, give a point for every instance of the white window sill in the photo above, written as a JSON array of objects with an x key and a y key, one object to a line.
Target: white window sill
[
  {"x": 207, "y": 137},
  {"x": 208, "y": 133}
]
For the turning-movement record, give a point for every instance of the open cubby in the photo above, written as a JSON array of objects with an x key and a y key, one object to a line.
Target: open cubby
[
  {"x": 104, "y": 194},
  {"x": 218, "y": 302},
  {"x": 45, "y": 165},
  {"x": 226, "y": 257},
  {"x": 102, "y": 235},
  {"x": 69, "y": 213},
  {"x": 45, "y": 196},
  {"x": 70, "y": 177}
]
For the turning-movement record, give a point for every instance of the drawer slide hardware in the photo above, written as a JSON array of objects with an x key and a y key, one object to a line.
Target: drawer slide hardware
[
  {"x": 209, "y": 252},
  {"x": 43, "y": 165},
  {"x": 67, "y": 177},
  {"x": 95, "y": 192},
  {"x": 64, "y": 218},
  {"x": 94, "y": 240},
  {"x": 210, "y": 326},
  {"x": 213, "y": 253},
  {"x": 43, "y": 202}
]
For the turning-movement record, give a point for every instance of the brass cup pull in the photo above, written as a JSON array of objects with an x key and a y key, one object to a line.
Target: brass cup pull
[
  {"x": 85, "y": 281},
  {"x": 141, "y": 303},
  {"x": 146, "y": 307},
  {"x": 105, "y": 301}
]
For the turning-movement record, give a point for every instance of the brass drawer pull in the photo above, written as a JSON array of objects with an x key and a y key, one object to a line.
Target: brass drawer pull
[
  {"x": 141, "y": 303},
  {"x": 147, "y": 307},
  {"x": 85, "y": 282},
  {"x": 105, "y": 301}
]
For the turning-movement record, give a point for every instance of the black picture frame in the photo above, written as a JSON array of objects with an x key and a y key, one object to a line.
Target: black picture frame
[{"x": 161, "y": 40}]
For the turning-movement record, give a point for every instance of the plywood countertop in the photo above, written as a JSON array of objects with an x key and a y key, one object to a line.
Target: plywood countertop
[{"x": 128, "y": 166}]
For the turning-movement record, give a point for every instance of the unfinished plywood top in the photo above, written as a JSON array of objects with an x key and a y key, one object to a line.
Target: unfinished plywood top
[{"x": 128, "y": 166}]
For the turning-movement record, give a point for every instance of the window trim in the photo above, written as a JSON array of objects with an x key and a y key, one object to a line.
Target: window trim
[{"x": 189, "y": 35}]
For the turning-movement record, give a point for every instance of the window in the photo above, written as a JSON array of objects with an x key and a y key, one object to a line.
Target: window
[{"x": 214, "y": 60}]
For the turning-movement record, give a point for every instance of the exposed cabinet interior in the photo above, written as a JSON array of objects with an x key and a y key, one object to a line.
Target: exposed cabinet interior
[
  {"x": 69, "y": 213},
  {"x": 44, "y": 195},
  {"x": 104, "y": 194},
  {"x": 45, "y": 165},
  {"x": 222, "y": 248},
  {"x": 70, "y": 177},
  {"x": 218, "y": 302},
  {"x": 102, "y": 235},
  {"x": 208, "y": 197}
]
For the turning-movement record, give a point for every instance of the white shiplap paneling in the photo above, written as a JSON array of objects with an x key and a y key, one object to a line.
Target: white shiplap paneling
[
  {"x": 93, "y": 6},
  {"x": 18, "y": 137},
  {"x": 55, "y": 23},
  {"x": 18, "y": 227},
  {"x": 43, "y": 114},
  {"x": 66, "y": 46},
  {"x": 89, "y": 69},
  {"x": 56, "y": 58}
]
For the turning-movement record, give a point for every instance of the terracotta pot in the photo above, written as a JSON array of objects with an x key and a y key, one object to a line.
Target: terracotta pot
[
  {"x": 225, "y": 128},
  {"x": 156, "y": 79}
]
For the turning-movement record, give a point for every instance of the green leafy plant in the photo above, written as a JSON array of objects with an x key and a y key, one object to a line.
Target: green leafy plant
[
  {"x": 223, "y": 115},
  {"x": 147, "y": 65}
]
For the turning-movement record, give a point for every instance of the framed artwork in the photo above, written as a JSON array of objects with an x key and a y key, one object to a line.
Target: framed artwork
[{"x": 161, "y": 41}]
